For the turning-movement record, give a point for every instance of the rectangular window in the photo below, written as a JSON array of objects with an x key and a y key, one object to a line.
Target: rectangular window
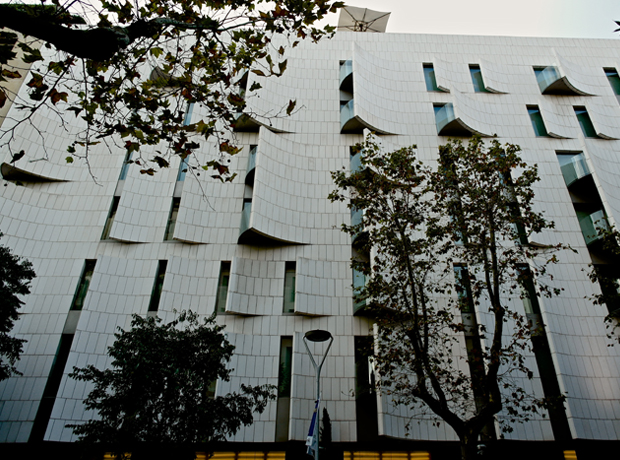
[
  {"x": 359, "y": 282},
  {"x": 289, "y": 287},
  {"x": 614, "y": 80},
  {"x": 183, "y": 169},
  {"x": 285, "y": 369},
  {"x": 172, "y": 219},
  {"x": 222, "y": 288},
  {"x": 537, "y": 121},
  {"x": 476, "y": 78},
  {"x": 110, "y": 220},
  {"x": 125, "y": 167},
  {"x": 542, "y": 352},
  {"x": 82, "y": 288},
  {"x": 584, "y": 122},
  {"x": 463, "y": 288},
  {"x": 429, "y": 77},
  {"x": 50, "y": 391},
  {"x": 365, "y": 389},
  {"x": 188, "y": 114},
  {"x": 158, "y": 285},
  {"x": 285, "y": 374}
]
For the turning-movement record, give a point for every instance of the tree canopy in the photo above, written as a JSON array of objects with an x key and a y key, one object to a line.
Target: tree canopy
[
  {"x": 130, "y": 70},
  {"x": 15, "y": 276},
  {"x": 159, "y": 389},
  {"x": 452, "y": 280}
]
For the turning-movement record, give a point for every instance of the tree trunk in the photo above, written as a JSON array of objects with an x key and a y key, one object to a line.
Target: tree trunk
[{"x": 469, "y": 447}]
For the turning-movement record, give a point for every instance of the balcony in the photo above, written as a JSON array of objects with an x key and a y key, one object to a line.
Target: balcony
[
  {"x": 245, "y": 123},
  {"x": 591, "y": 224},
  {"x": 551, "y": 82},
  {"x": 573, "y": 168},
  {"x": 448, "y": 124}
]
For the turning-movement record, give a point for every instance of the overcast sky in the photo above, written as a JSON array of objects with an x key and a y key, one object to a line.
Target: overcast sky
[{"x": 538, "y": 18}]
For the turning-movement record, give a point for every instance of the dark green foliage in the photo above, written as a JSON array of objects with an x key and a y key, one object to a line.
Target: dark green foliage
[
  {"x": 470, "y": 216},
  {"x": 15, "y": 276},
  {"x": 158, "y": 388},
  {"x": 132, "y": 69}
]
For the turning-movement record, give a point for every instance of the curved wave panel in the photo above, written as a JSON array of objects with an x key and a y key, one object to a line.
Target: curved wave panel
[
  {"x": 320, "y": 286},
  {"x": 289, "y": 197}
]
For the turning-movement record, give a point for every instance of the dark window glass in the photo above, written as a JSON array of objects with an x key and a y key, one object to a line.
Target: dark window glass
[
  {"x": 537, "y": 121},
  {"x": 584, "y": 121},
  {"x": 82, "y": 289},
  {"x": 222, "y": 288},
  {"x": 289, "y": 287},
  {"x": 158, "y": 285},
  {"x": 476, "y": 78},
  {"x": 110, "y": 220},
  {"x": 429, "y": 77},
  {"x": 172, "y": 219}
]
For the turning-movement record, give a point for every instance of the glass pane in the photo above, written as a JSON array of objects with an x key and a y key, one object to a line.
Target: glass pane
[
  {"x": 82, "y": 289},
  {"x": 110, "y": 220},
  {"x": 463, "y": 288},
  {"x": 537, "y": 121},
  {"x": 158, "y": 285},
  {"x": 172, "y": 219},
  {"x": 125, "y": 167},
  {"x": 584, "y": 121},
  {"x": 222, "y": 288},
  {"x": 286, "y": 364},
  {"x": 289, "y": 288},
  {"x": 614, "y": 80},
  {"x": 476, "y": 78},
  {"x": 183, "y": 169},
  {"x": 429, "y": 77}
]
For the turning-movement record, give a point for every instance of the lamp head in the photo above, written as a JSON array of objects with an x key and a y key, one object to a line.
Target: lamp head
[{"x": 318, "y": 335}]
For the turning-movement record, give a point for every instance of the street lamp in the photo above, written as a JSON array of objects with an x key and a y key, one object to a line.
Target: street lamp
[{"x": 319, "y": 336}]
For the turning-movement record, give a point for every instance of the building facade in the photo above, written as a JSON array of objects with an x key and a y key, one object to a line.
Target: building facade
[{"x": 266, "y": 253}]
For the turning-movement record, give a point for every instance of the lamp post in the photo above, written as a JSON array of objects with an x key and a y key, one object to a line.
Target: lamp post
[{"x": 319, "y": 336}]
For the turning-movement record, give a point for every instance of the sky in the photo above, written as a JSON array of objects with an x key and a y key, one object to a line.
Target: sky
[{"x": 534, "y": 18}]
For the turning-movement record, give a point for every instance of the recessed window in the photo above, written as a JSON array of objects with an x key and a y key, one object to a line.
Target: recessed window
[
  {"x": 614, "y": 79},
  {"x": 125, "y": 168},
  {"x": 82, "y": 289},
  {"x": 429, "y": 77},
  {"x": 476, "y": 78},
  {"x": 158, "y": 285},
  {"x": 286, "y": 364},
  {"x": 110, "y": 219},
  {"x": 285, "y": 374},
  {"x": 463, "y": 288},
  {"x": 183, "y": 169},
  {"x": 222, "y": 287},
  {"x": 172, "y": 219},
  {"x": 188, "y": 114},
  {"x": 585, "y": 122},
  {"x": 537, "y": 121},
  {"x": 289, "y": 287}
]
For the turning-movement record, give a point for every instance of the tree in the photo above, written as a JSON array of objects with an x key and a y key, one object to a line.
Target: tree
[
  {"x": 129, "y": 70},
  {"x": 158, "y": 392},
  {"x": 15, "y": 276},
  {"x": 607, "y": 275},
  {"x": 434, "y": 247}
]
